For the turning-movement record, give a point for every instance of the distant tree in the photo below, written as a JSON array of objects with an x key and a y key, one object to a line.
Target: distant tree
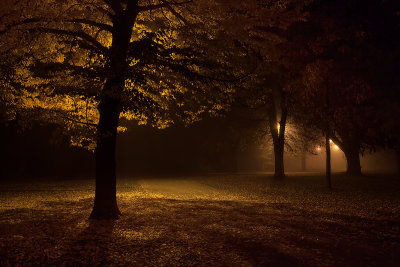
[
  {"x": 349, "y": 53},
  {"x": 261, "y": 26}
]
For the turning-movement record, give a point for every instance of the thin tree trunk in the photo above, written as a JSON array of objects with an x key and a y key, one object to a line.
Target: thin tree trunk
[
  {"x": 278, "y": 137},
  {"x": 327, "y": 137},
  {"x": 279, "y": 164},
  {"x": 328, "y": 159}
]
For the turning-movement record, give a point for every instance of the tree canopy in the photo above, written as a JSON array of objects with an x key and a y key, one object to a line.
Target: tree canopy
[{"x": 60, "y": 61}]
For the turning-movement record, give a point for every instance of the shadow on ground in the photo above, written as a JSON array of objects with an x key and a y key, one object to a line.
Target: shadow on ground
[{"x": 169, "y": 232}]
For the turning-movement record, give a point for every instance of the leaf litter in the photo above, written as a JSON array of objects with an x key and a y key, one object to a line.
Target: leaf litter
[{"x": 260, "y": 221}]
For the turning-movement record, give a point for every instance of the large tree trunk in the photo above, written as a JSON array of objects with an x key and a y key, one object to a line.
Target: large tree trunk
[
  {"x": 352, "y": 153},
  {"x": 350, "y": 145},
  {"x": 105, "y": 203}
]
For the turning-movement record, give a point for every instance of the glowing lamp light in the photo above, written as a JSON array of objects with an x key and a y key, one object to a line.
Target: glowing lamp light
[
  {"x": 318, "y": 149},
  {"x": 335, "y": 147},
  {"x": 278, "y": 126}
]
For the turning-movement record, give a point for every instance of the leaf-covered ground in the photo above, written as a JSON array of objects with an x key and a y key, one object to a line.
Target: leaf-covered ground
[{"x": 231, "y": 220}]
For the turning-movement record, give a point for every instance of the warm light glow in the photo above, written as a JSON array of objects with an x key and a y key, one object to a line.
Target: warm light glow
[
  {"x": 335, "y": 147},
  {"x": 318, "y": 149},
  {"x": 278, "y": 126}
]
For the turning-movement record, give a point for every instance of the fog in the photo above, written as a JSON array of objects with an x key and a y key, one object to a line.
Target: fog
[
  {"x": 205, "y": 147},
  {"x": 379, "y": 162},
  {"x": 209, "y": 147}
]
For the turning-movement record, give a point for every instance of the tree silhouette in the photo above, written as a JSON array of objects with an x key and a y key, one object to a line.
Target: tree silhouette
[
  {"x": 347, "y": 52},
  {"x": 88, "y": 64},
  {"x": 261, "y": 27}
]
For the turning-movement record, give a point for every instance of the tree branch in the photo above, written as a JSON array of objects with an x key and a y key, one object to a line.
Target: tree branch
[
  {"x": 19, "y": 23},
  {"x": 115, "y": 6},
  {"x": 99, "y": 25},
  {"x": 168, "y": 5},
  {"x": 79, "y": 34},
  {"x": 336, "y": 140},
  {"x": 173, "y": 11},
  {"x": 60, "y": 113},
  {"x": 164, "y": 4},
  {"x": 79, "y": 122}
]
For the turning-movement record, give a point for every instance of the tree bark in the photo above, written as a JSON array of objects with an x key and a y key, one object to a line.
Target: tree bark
[
  {"x": 279, "y": 163},
  {"x": 350, "y": 146},
  {"x": 328, "y": 159},
  {"x": 105, "y": 203},
  {"x": 352, "y": 154},
  {"x": 327, "y": 137},
  {"x": 278, "y": 138}
]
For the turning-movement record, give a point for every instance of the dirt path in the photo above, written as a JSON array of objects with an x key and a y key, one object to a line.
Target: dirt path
[{"x": 182, "y": 189}]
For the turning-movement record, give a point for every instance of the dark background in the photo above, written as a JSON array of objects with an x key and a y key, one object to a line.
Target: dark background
[{"x": 208, "y": 146}]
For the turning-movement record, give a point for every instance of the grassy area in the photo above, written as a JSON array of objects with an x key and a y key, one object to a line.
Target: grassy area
[
  {"x": 369, "y": 196},
  {"x": 261, "y": 221}
]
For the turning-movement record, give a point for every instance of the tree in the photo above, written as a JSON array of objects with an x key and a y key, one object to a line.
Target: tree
[
  {"x": 107, "y": 59},
  {"x": 262, "y": 29},
  {"x": 348, "y": 49}
]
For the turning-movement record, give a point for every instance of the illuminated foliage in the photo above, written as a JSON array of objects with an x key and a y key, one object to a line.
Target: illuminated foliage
[
  {"x": 88, "y": 64},
  {"x": 61, "y": 52}
]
